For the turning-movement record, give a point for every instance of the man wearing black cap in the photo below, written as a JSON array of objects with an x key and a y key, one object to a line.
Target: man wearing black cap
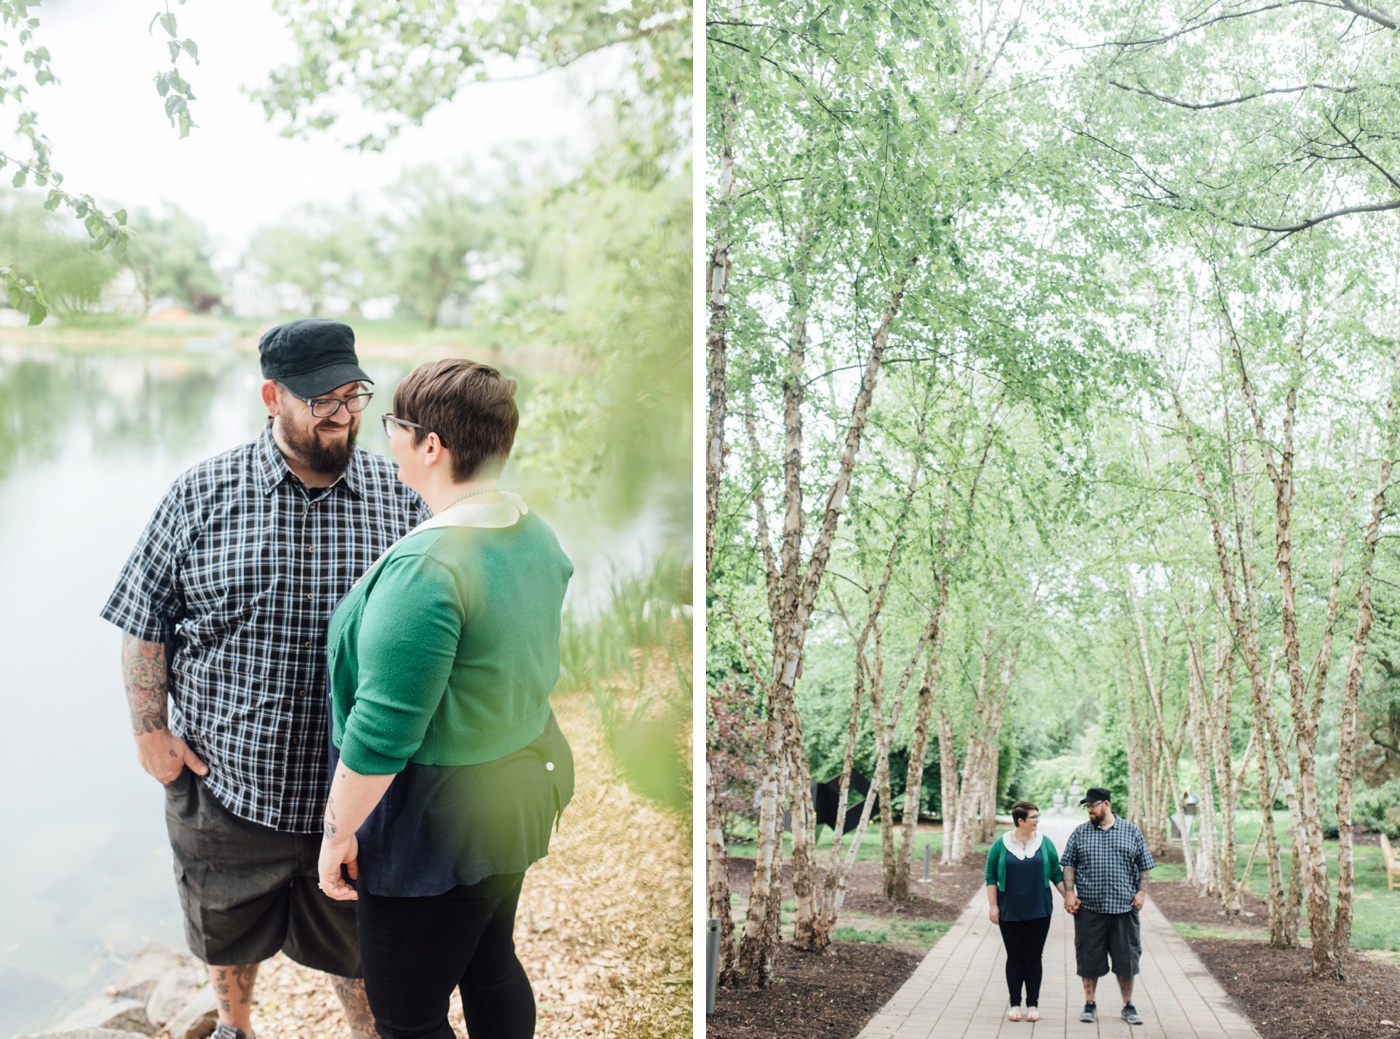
[
  {"x": 1106, "y": 862},
  {"x": 224, "y": 605}
]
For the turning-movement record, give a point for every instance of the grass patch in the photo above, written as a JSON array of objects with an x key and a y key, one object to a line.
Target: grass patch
[
  {"x": 1376, "y": 914},
  {"x": 742, "y": 845}
]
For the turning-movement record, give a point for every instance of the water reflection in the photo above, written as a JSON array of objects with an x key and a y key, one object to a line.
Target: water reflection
[{"x": 89, "y": 440}]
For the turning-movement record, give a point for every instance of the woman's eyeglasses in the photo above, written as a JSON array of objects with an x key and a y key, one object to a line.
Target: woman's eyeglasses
[{"x": 391, "y": 423}]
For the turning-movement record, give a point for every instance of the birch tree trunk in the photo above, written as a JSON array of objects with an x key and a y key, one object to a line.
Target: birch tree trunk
[
  {"x": 1346, "y": 762},
  {"x": 717, "y": 297}
]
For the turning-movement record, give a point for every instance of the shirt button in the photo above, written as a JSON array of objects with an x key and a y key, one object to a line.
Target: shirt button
[
  {"x": 296, "y": 741},
  {"x": 307, "y": 645},
  {"x": 309, "y": 595},
  {"x": 549, "y": 766},
  {"x": 312, "y": 548},
  {"x": 301, "y": 692}
]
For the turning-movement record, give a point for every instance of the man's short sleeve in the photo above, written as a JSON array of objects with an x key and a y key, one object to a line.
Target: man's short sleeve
[
  {"x": 1070, "y": 858},
  {"x": 1145, "y": 861},
  {"x": 146, "y": 603}
]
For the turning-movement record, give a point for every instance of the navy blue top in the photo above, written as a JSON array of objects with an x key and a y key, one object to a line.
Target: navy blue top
[
  {"x": 442, "y": 826},
  {"x": 1026, "y": 896}
]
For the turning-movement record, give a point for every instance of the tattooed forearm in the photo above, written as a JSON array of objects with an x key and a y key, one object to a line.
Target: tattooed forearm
[
  {"x": 147, "y": 682},
  {"x": 330, "y": 829}
]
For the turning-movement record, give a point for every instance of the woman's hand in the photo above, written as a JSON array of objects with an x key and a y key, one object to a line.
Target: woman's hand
[
  {"x": 994, "y": 914},
  {"x": 335, "y": 852}
]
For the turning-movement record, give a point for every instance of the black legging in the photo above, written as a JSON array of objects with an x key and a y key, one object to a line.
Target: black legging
[
  {"x": 1024, "y": 941},
  {"x": 417, "y": 950}
]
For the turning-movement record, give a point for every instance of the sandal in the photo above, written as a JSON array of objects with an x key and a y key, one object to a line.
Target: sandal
[
  {"x": 1032, "y": 1013},
  {"x": 1014, "y": 1014}
]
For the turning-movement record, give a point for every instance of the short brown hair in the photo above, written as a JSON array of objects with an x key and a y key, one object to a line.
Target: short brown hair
[
  {"x": 1021, "y": 810},
  {"x": 470, "y": 406}
]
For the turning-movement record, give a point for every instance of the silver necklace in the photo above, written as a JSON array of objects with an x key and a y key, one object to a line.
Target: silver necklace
[{"x": 469, "y": 494}]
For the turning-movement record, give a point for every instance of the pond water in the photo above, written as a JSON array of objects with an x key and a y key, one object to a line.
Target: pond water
[{"x": 89, "y": 440}]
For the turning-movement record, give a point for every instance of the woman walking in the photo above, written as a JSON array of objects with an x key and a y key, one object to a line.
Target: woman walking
[{"x": 1021, "y": 869}]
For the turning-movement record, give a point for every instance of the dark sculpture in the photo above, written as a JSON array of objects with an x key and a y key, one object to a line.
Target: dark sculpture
[{"x": 825, "y": 795}]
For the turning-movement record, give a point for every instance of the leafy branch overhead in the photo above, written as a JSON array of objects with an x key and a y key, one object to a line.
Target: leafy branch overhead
[
  {"x": 170, "y": 84},
  {"x": 400, "y": 61},
  {"x": 18, "y": 26}
]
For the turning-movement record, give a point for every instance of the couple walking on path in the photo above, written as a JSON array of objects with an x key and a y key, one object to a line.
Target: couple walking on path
[{"x": 1102, "y": 877}]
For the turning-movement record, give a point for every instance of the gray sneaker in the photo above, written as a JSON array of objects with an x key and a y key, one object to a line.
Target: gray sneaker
[
  {"x": 1130, "y": 1014},
  {"x": 1087, "y": 1014}
]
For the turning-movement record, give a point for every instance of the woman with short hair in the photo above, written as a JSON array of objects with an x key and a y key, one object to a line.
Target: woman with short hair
[
  {"x": 449, "y": 770},
  {"x": 1021, "y": 868}
]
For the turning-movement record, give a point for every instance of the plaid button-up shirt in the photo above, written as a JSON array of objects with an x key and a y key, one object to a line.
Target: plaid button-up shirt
[
  {"x": 238, "y": 572},
  {"x": 1106, "y": 864}
]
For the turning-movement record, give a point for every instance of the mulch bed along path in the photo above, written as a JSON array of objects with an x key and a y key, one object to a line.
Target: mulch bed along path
[
  {"x": 1274, "y": 987},
  {"x": 831, "y": 995}
]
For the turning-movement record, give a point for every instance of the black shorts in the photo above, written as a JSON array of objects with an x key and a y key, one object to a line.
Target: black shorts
[
  {"x": 249, "y": 892},
  {"x": 1101, "y": 936}
]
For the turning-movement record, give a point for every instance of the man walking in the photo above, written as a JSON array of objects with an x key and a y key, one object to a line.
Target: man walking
[
  {"x": 1106, "y": 862},
  {"x": 224, "y": 605}
]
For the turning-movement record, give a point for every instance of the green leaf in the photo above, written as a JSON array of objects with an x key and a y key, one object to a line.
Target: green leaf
[
  {"x": 167, "y": 22},
  {"x": 174, "y": 49},
  {"x": 37, "y": 312},
  {"x": 54, "y": 200},
  {"x": 120, "y": 216},
  {"x": 185, "y": 123},
  {"x": 19, "y": 179},
  {"x": 192, "y": 49},
  {"x": 163, "y": 84}
]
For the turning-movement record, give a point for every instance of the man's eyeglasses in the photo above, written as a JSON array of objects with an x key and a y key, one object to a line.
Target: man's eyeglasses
[
  {"x": 1092, "y": 804},
  {"x": 391, "y": 422},
  {"x": 325, "y": 407}
]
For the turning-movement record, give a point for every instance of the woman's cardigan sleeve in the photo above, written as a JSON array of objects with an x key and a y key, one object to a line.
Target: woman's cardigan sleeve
[
  {"x": 996, "y": 870},
  {"x": 1053, "y": 873}
]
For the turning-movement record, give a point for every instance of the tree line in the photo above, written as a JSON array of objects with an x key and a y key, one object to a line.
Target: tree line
[{"x": 1052, "y": 359}]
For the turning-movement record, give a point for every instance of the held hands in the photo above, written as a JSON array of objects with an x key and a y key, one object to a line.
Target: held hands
[
  {"x": 1071, "y": 902},
  {"x": 163, "y": 754},
  {"x": 336, "y": 851}
]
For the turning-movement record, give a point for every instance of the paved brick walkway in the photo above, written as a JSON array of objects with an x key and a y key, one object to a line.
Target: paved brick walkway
[{"x": 959, "y": 991}]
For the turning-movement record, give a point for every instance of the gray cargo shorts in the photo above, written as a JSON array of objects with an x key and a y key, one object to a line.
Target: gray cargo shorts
[{"x": 249, "y": 892}]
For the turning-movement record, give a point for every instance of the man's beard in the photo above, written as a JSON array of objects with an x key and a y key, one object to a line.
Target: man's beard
[{"x": 327, "y": 459}]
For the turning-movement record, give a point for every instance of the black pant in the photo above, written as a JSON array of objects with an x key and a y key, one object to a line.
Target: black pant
[
  {"x": 1024, "y": 941},
  {"x": 417, "y": 950}
]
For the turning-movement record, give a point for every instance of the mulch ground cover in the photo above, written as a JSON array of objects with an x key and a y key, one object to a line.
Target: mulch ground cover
[
  {"x": 831, "y": 995},
  {"x": 1274, "y": 987}
]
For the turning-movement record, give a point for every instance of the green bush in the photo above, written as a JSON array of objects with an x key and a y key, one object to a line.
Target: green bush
[{"x": 1378, "y": 809}]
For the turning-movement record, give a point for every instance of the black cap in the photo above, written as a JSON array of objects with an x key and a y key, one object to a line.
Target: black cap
[
  {"x": 1096, "y": 793},
  {"x": 311, "y": 356}
]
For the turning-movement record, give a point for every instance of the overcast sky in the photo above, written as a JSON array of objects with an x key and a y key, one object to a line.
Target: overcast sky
[{"x": 235, "y": 173}]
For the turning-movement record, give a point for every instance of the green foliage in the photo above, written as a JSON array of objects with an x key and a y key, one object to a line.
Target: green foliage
[
  {"x": 170, "y": 256},
  {"x": 72, "y": 275},
  {"x": 325, "y": 252},
  {"x": 633, "y": 660},
  {"x": 398, "y": 62}
]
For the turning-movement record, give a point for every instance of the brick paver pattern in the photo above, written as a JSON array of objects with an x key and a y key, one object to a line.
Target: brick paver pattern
[{"x": 959, "y": 990}]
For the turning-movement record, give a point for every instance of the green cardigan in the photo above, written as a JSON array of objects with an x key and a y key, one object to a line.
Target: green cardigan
[
  {"x": 446, "y": 652},
  {"x": 996, "y": 863}
]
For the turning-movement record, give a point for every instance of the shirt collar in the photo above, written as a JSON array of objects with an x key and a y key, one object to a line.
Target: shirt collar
[{"x": 271, "y": 466}]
